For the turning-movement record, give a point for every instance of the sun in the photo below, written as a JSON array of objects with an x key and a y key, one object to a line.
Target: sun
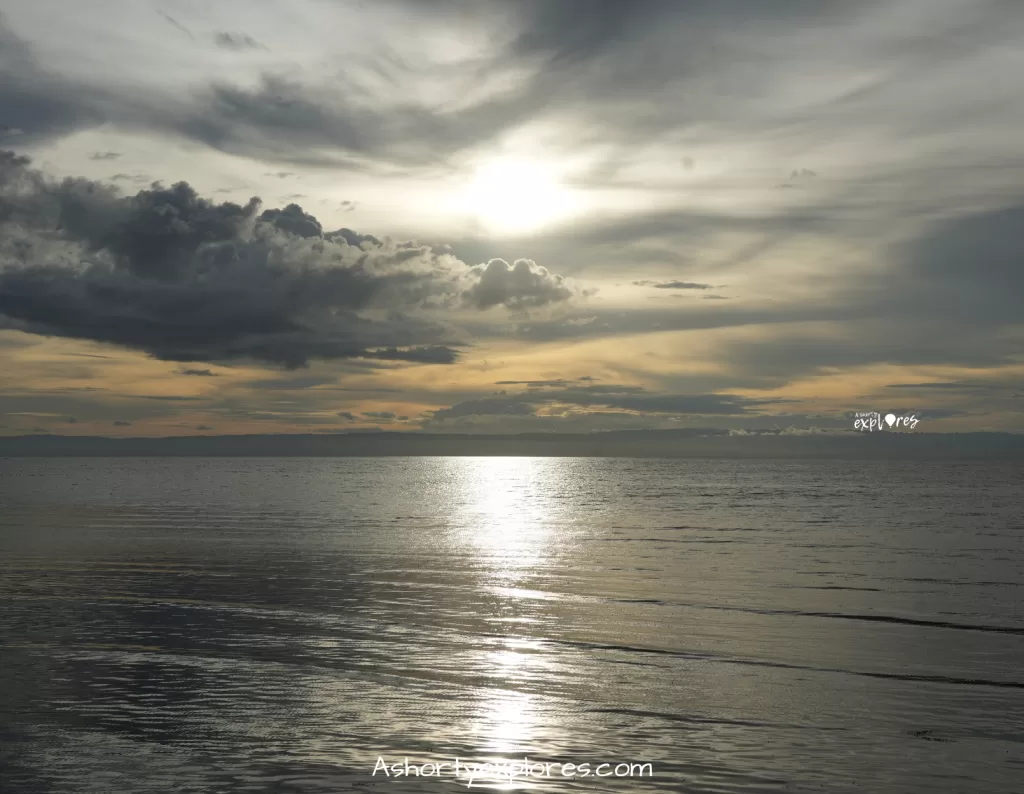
[{"x": 515, "y": 196}]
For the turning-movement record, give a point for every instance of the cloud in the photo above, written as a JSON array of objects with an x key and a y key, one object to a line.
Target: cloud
[
  {"x": 635, "y": 399},
  {"x": 348, "y": 416},
  {"x": 610, "y": 397},
  {"x": 486, "y": 406},
  {"x": 176, "y": 24},
  {"x": 385, "y": 415},
  {"x": 236, "y": 41},
  {"x": 121, "y": 423},
  {"x": 945, "y": 386},
  {"x": 434, "y": 354},
  {"x": 534, "y": 383},
  {"x": 37, "y": 104},
  {"x": 702, "y": 73},
  {"x": 522, "y": 285},
  {"x": 199, "y": 373},
  {"x": 672, "y": 284},
  {"x": 296, "y": 117},
  {"x": 944, "y": 293},
  {"x": 186, "y": 279},
  {"x": 966, "y": 269},
  {"x": 896, "y": 255},
  {"x": 294, "y": 221}
]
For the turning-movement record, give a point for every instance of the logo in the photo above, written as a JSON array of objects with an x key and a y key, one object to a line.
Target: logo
[{"x": 873, "y": 420}]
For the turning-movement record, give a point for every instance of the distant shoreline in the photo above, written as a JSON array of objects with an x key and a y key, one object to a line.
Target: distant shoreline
[{"x": 620, "y": 444}]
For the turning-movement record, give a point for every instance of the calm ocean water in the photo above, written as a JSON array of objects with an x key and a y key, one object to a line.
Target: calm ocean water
[{"x": 289, "y": 625}]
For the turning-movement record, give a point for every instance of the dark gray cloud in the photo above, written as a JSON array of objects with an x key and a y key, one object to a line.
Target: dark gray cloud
[
  {"x": 948, "y": 295},
  {"x": 301, "y": 122},
  {"x": 968, "y": 269},
  {"x": 608, "y": 397},
  {"x": 620, "y": 72},
  {"x": 121, "y": 423},
  {"x": 200, "y": 373},
  {"x": 486, "y": 406},
  {"x": 599, "y": 322},
  {"x": 175, "y": 24},
  {"x": 36, "y": 104},
  {"x": 292, "y": 382},
  {"x": 236, "y": 41},
  {"x": 534, "y": 384},
  {"x": 91, "y": 406},
  {"x": 89, "y": 355},
  {"x": 288, "y": 118},
  {"x": 944, "y": 386},
  {"x": 521, "y": 285},
  {"x": 634, "y": 399},
  {"x": 293, "y": 220},
  {"x": 187, "y": 279},
  {"x": 433, "y": 354},
  {"x": 672, "y": 284},
  {"x": 676, "y": 237}
]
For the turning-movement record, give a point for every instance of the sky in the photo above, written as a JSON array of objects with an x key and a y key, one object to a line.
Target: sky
[{"x": 473, "y": 216}]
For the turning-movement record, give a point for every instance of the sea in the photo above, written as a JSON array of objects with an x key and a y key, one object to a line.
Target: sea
[{"x": 512, "y": 624}]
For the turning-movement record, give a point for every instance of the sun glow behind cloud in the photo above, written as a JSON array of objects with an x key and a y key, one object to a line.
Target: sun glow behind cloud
[{"x": 517, "y": 195}]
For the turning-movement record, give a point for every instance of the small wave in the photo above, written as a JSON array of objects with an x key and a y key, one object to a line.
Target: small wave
[
  {"x": 710, "y": 657},
  {"x": 894, "y": 619},
  {"x": 695, "y": 720}
]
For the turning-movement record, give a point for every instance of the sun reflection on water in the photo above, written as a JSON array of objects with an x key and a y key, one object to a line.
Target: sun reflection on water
[
  {"x": 507, "y": 524},
  {"x": 505, "y": 512}
]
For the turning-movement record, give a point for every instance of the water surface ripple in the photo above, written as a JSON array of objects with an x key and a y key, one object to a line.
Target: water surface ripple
[{"x": 277, "y": 625}]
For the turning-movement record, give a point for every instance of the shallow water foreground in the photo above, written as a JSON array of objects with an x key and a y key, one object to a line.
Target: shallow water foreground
[{"x": 287, "y": 625}]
